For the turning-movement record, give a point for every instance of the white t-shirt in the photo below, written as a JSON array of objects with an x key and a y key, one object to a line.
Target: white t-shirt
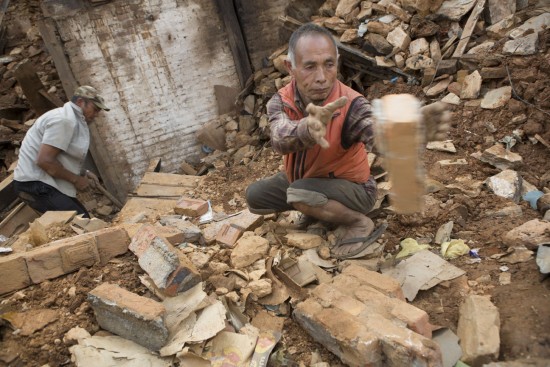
[{"x": 64, "y": 128}]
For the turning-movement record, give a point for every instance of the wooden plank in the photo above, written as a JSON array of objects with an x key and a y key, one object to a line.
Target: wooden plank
[
  {"x": 150, "y": 208},
  {"x": 7, "y": 192},
  {"x": 148, "y": 190},
  {"x": 170, "y": 179},
  {"x": 55, "y": 49},
  {"x": 236, "y": 40},
  {"x": 18, "y": 220},
  {"x": 31, "y": 85},
  {"x": 469, "y": 28}
]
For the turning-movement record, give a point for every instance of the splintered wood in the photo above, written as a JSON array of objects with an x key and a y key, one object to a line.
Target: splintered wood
[{"x": 399, "y": 139}]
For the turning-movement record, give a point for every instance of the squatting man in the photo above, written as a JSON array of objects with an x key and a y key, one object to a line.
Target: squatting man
[
  {"x": 324, "y": 130},
  {"x": 51, "y": 159}
]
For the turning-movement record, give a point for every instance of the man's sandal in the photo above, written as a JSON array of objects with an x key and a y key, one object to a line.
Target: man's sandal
[{"x": 365, "y": 242}]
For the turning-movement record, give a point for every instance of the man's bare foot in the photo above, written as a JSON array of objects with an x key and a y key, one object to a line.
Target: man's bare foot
[{"x": 361, "y": 230}]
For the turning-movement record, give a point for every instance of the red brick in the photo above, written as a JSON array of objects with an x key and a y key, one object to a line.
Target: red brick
[
  {"x": 191, "y": 207},
  {"x": 13, "y": 273},
  {"x": 129, "y": 315},
  {"x": 228, "y": 235},
  {"x": 383, "y": 283}
]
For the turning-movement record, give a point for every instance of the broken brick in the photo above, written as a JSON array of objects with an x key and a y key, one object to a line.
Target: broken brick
[
  {"x": 228, "y": 235},
  {"x": 191, "y": 207},
  {"x": 129, "y": 315},
  {"x": 382, "y": 283},
  {"x": 14, "y": 273}
]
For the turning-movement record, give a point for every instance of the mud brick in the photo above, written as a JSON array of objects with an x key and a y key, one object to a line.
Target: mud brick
[
  {"x": 111, "y": 242},
  {"x": 129, "y": 315},
  {"x": 228, "y": 235},
  {"x": 191, "y": 207},
  {"x": 61, "y": 257},
  {"x": 169, "y": 268},
  {"x": 51, "y": 218},
  {"x": 382, "y": 283},
  {"x": 13, "y": 273}
]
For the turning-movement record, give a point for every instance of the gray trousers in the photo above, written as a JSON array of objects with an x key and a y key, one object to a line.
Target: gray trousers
[{"x": 276, "y": 194}]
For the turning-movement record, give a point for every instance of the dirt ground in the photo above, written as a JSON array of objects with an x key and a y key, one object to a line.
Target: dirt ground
[{"x": 523, "y": 304}]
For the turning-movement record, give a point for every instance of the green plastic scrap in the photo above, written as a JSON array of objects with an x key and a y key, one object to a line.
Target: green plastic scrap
[
  {"x": 454, "y": 248},
  {"x": 410, "y": 246}
]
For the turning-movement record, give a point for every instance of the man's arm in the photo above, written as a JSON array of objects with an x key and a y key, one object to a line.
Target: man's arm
[
  {"x": 359, "y": 125},
  {"x": 47, "y": 160},
  {"x": 287, "y": 136}
]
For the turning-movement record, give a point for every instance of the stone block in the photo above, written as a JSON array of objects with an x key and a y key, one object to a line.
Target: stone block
[
  {"x": 506, "y": 184},
  {"x": 399, "y": 38},
  {"x": 499, "y": 9},
  {"x": 248, "y": 250},
  {"x": 129, "y": 315},
  {"x": 471, "y": 86},
  {"x": 345, "y": 7},
  {"x": 191, "y": 207},
  {"x": 537, "y": 24},
  {"x": 501, "y": 158},
  {"x": 51, "y": 218},
  {"x": 14, "y": 273},
  {"x": 61, "y": 257},
  {"x": 522, "y": 46},
  {"x": 418, "y": 46},
  {"x": 478, "y": 330}
]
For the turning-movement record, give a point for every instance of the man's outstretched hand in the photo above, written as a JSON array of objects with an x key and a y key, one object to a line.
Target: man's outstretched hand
[
  {"x": 436, "y": 121},
  {"x": 319, "y": 117}
]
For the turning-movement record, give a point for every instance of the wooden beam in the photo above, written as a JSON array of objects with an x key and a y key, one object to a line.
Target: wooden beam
[
  {"x": 226, "y": 9},
  {"x": 7, "y": 192},
  {"x": 55, "y": 49},
  {"x": 469, "y": 28},
  {"x": 31, "y": 85}
]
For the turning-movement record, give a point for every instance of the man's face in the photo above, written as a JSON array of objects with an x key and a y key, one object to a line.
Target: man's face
[
  {"x": 316, "y": 68},
  {"x": 90, "y": 110}
]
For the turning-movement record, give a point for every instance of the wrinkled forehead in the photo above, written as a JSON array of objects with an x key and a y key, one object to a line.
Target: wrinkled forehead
[{"x": 315, "y": 46}]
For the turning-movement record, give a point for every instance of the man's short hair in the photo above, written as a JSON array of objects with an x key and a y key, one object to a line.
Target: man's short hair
[{"x": 306, "y": 30}]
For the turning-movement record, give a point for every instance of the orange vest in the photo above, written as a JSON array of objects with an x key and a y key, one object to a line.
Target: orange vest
[{"x": 335, "y": 161}]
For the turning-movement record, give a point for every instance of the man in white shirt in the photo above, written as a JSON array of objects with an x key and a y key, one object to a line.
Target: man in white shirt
[{"x": 50, "y": 167}]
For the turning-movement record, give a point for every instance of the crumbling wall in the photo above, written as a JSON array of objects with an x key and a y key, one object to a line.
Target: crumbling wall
[
  {"x": 261, "y": 27},
  {"x": 156, "y": 63}
]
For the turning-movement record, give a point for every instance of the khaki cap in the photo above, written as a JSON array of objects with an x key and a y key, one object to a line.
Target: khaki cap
[{"x": 92, "y": 94}]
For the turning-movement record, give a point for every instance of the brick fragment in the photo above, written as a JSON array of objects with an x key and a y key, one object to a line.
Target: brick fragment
[
  {"x": 228, "y": 235},
  {"x": 191, "y": 207},
  {"x": 14, "y": 273},
  {"x": 171, "y": 271},
  {"x": 478, "y": 330},
  {"x": 111, "y": 242},
  {"x": 382, "y": 283},
  {"x": 129, "y": 315}
]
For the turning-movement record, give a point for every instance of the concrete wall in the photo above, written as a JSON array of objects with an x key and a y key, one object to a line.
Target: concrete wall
[{"x": 156, "y": 62}]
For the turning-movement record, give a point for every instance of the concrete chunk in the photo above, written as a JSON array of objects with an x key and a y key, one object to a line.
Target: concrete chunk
[
  {"x": 478, "y": 330},
  {"x": 506, "y": 184},
  {"x": 129, "y": 315}
]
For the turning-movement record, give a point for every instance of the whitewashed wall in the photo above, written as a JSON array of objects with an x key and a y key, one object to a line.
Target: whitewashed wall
[{"x": 156, "y": 62}]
